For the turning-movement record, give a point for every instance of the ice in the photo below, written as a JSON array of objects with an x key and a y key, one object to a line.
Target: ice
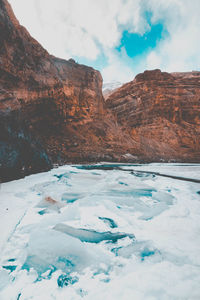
[
  {"x": 140, "y": 249},
  {"x": 71, "y": 197},
  {"x": 11, "y": 268},
  {"x": 101, "y": 231},
  {"x": 64, "y": 280},
  {"x": 109, "y": 221},
  {"x": 91, "y": 236},
  {"x": 49, "y": 249},
  {"x": 4, "y": 278}
]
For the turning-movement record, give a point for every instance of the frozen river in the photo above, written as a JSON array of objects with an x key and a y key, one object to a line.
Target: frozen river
[{"x": 102, "y": 232}]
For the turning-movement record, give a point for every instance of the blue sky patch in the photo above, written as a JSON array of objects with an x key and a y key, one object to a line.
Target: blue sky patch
[
  {"x": 136, "y": 44},
  {"x": 133, "y": 48}
]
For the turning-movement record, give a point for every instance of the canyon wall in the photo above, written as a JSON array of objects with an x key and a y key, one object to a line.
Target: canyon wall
[
  {"x": 161, "y": 112},
  {"x": 52, "y": 111}
]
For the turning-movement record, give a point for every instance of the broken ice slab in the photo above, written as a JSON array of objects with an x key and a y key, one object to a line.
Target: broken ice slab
[
  {"x": 136, "y": 192},
  {"x": 91, "y": 236},
  {"x": 109, "y": 221},
  {"x": 48, "y": 249},
  {"x": 141, "y": 249},
  {"x": 50, "y": 204},
  {"x": 43, "y": 212},
  {"x": 10, "y": 268},
  {"x": 71, "y": 197},
  {"x": 66, "y": 279},
  {"x": 39, "y": 264},
  {"x": 5, "y": 279},
  {"x": 11, "y": 259}
]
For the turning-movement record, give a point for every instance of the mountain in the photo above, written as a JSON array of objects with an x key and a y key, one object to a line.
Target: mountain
[
  {"x": 109, "y": 87},
  {"x": 52, "y": 111},
  {"x": 161, "y": 112}
]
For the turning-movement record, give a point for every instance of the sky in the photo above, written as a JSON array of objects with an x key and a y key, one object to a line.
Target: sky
[{"x": 120, "y": 38}]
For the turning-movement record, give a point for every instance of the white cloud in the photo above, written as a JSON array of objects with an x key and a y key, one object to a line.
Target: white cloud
[
  {"x": 153, "y": 60},
  {"x": 117, "y": 70},
  {"x": 180, "y": 50},
  {"x": 89, "y": 28}
]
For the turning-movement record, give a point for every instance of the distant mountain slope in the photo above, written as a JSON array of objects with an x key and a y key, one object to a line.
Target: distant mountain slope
[{"x": 109, "y": 87}]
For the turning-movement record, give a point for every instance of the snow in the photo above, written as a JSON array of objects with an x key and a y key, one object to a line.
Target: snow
[
  {"x": 183, "y": 170},
  {"x": 110, "y": 86},
  {"x": 96, "y": 232}
]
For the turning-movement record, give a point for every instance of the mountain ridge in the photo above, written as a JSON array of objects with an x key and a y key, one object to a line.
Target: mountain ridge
[{"x": 161, "y": 111}]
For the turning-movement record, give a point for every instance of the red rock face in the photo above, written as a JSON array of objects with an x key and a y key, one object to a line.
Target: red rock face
[
  {"x": 52, "y": 111},
  {"x": 161, "y": 112}
]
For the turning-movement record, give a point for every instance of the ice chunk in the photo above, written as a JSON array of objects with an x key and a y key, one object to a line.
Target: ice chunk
[
  {"x": 48, "y": 248},
  {"x": 146, "y": 252},
  {"x": 163, "y": 197},
  {"x": 43, "y": 212},
  {"x": 109, "y": 221},
  {"x": 50, "y": 203},
  {"x": 141, "y": 249},
  {"x": 4, "y": 278},
  {"x": 91, "y": 236},
  {"x": 52, "y": 250},
  {"x": 11, "y": 259},
  {"x": 39, "y": 264},
  {"x": 137, "y": 192},
  {"x": 10, "y": 268},
  {"x": 66, "y": 279},
  {"x": 70, "y": 197}
]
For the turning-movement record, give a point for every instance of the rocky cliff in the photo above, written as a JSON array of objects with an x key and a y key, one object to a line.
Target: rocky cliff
[
  {"x": 52, "y": 111},
  {"x": 161, "y": 112}
]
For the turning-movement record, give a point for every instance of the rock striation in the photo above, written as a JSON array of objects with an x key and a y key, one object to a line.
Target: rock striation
[
  {"x": 161, "y": 112},
  {"x": 52, "y": 111}
]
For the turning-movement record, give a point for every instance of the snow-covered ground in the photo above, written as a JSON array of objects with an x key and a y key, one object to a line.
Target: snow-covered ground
[{"x": 101, "y": 233}]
